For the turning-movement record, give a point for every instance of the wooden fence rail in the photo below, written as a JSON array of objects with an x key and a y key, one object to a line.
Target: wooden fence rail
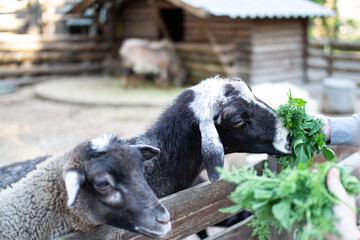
[
  {"x": 333, "y": 58},
  {"x": 34, "y": 55},
  {"x": 191, "y": 210},
  {"x": 197, "y": 208}
]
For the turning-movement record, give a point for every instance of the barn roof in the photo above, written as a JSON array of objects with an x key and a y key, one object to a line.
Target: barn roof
[
  {"x": 255, "y": 8},
  {"x": 241, "y": 8}
]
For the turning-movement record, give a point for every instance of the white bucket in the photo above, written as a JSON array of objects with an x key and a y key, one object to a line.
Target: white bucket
[
  {"x": 7, "y": 87},
  {"x": 340, "y": 95}
]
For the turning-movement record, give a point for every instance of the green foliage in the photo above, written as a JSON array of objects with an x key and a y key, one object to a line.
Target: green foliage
[
  {"x": 296, "y": 200},
  {"x": 304, "y": 131}
]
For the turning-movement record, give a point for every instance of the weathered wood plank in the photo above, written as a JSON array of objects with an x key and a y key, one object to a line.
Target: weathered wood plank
[
  {"x": 81, "y": 6},
  {"x": 54, "y": 69},
  {"x": 288, "y": 54},
  {"x": 59, "y": 46},
  {"x": 191, "y": 211},
  {"x": 204, "y": 48},
  {"x": 239, "y": 231},
  {"x": 7, "y": 57},
  {"x": 209, "y": 58},
  {"x": 277, "y": 47},
  {"x": 284, "y": 63},
  {"x": 24, "y": 38}
]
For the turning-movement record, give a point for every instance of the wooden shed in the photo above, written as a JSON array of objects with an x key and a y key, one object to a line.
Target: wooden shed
[{"x": 260, "y": 40}]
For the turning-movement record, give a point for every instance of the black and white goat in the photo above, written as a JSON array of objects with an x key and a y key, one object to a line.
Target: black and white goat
[{"x": 216, "y": 117}]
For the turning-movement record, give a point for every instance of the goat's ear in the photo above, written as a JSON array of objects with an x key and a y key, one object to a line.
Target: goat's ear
[
  {"x": 212, "y": 150},
  {"x": 73, "y": 179},
  {"x": 147, "y": 151}
]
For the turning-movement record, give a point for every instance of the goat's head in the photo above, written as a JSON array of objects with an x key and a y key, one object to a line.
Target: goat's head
[
  {"x": 231, "y": 119},
  {"x": 105, "y": 185}
]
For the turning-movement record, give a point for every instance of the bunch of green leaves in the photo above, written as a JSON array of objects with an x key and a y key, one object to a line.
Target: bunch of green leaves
[
  {"x": 296, "y": 199},
  {"x": 305, "y": 133}
]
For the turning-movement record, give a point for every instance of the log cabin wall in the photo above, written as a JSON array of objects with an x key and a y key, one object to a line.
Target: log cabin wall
[
  {"x": 138, "y": 20},
  {"x": 277, "y": 51},
  {"x": 232, "y": 37},
  {"x": 256, "y": 50}
]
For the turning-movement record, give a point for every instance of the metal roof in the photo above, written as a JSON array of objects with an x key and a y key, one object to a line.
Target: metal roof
[{"x": 261, "y": 8}]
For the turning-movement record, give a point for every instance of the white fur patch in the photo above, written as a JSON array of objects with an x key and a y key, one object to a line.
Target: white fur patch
[
  {"x": 280, "y": 140},
  {"x": 208, "y": 94},
  {"x": 244, "y": 90},
  {"x": 101, "y": 143},
  {"x": 248, "y": 96},
  {"x": 114, "y": 198},
  {"x": 211, "y": 92}
]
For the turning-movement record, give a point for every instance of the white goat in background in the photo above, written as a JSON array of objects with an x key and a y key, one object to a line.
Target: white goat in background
[{"x": 152, "y": 57}]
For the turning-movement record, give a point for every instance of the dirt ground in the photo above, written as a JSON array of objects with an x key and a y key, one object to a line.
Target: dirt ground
[{"x": 30, "y": 127}]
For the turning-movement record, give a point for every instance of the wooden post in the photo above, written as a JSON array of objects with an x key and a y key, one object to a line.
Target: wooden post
[
  {"x": 159, "y": 21},
  {"x": 101, "y": 26},
  {"x": 305, "y": 24},
  {"x": 330, "y": 69},
  {"x": 35, "y": 15},
  {"x": 214, "y": 46}
]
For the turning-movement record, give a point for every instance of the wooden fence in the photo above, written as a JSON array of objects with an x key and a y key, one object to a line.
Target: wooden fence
[
  {"x": 191, "y": 210},
  {"x": 333, "y": 58},
  {"x": 34, "y": 55},
  {"x": 197, "y": 208}
]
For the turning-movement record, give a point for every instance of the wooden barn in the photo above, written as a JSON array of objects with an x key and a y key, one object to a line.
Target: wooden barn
[{"x": 262, "y": 40}]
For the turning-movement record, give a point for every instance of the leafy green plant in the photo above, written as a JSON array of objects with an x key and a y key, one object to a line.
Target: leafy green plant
[
  {"x": 296, "y": 199},
  {"x": 304, "y": 131}
]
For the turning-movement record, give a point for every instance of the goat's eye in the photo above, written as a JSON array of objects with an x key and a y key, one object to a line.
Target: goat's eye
[
  {"x": 102, "y": 185},
  {"x": 239, "y": 123}
]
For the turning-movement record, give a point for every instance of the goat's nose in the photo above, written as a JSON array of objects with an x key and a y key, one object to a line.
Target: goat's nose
[
  {"x": 288, "y": 142},
  {"x": 163, "y": 217}
]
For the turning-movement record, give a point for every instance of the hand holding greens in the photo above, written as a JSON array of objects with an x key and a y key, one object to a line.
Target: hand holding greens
[
  {"x": 297, "y": 199},
  {"x": 304, "y": 131}
]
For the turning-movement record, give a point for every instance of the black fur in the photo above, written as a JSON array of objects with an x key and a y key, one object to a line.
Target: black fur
[
  {"x": 177, "y": 134},
  {"x": 13, "y": 173}
]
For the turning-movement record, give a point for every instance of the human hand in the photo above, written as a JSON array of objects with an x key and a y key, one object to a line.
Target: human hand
[
  {"x": 326, "y": 127},
  {"x": 344, "y": 210}
]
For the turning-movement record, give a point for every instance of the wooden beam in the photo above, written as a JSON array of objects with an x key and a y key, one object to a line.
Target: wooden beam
[
  {"x": 60, "y": 56},
  {"x": 81, "y": 6},
  {"x": 198, "y": 12},
  {"x": 239, "y": 231},
  {"x": 198, "y": 209},
  {"x": 26, "y": 38},
  {"x": 102, "y": 27},
  {"x": 214, "y": 47},
  {"x": 47, "y": 69},
  {"x": 58, "y": 46},
  {"x": 159, "y": 20}
]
